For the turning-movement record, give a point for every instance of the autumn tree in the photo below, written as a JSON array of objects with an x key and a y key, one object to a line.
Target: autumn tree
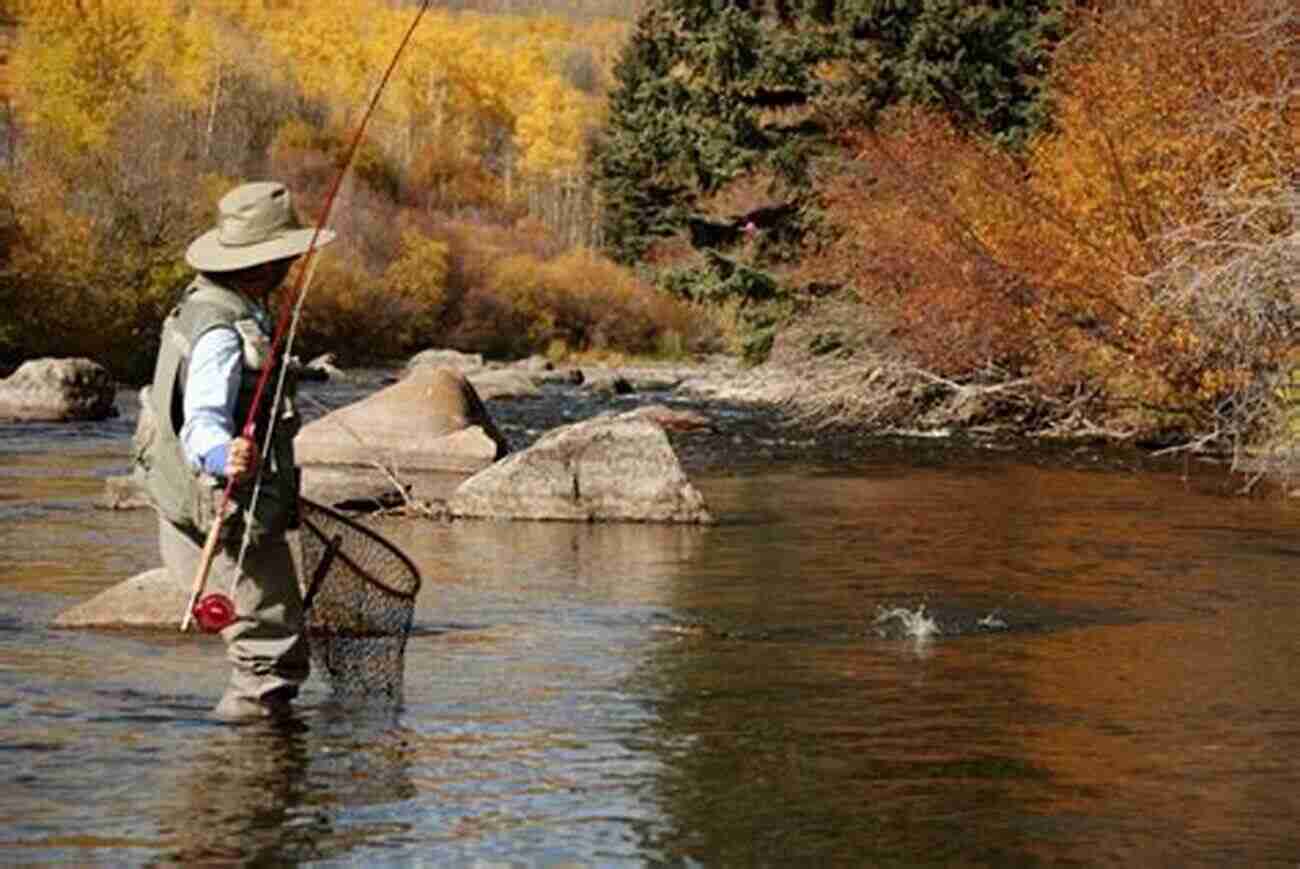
[
  {"x": 132, "y": 118},
  {"x": 1131, "y": 262},
  {"x": 78, "y": 63},
  {"x": 87, "y": 77}
]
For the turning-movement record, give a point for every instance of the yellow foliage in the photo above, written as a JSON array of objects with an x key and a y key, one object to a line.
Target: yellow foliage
[
  {"x": 78, "y": 62},
  {"x": 519, "y": 278},
  {"x": 247, "y": 13},
  {"x": 218, "y": 37},
  {"x": 362, "y": 316},
  {"x": 419, "y": 276},
  {"x": 79, "y": 295},
  {"x": 1147, "y": 117},
  {"x": 332, "y": 49},
  {"x": 470, "y": 85},
  {"x": 584, "y": 302},
  {"x": 551, "y": 129},
  {"x": 467, "y": 80}
]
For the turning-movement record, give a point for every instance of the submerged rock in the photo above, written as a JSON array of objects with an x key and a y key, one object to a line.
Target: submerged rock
[
  {"x": 616, "y": 468},
  {"x": 152, "y": 599},
  {"x": 58, "y": 390}
]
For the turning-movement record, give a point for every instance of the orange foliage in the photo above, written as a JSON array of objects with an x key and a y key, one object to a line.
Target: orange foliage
[
  {"x": 918, "y": 264},
  {"x": 504, "y": 291},
  {"x": 1158, "y": 104},
  {"x": 585, "y": 302},
  {"x": 1047, "y": 262},
  {"x": 441, "y": 177}
]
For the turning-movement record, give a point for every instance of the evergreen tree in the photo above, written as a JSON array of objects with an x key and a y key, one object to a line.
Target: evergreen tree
[
  {"x": 641, "y": 164},
  {"x": 980, "y": 62},
  {"x": 687, "y": 116},
  {"x": 709, "y": 90}
]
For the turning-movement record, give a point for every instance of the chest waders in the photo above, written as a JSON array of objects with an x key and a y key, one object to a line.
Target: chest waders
[{"x": 186, "y": 496}]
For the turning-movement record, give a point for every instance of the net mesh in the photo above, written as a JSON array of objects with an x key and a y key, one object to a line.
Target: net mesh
[{"x": 359, "y": 592}]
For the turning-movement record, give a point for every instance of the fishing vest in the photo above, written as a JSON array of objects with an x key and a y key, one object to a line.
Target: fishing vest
[{"x": 187, "y": 496}]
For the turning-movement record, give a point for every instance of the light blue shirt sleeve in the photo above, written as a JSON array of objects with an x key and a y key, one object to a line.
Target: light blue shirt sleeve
[{"x": 211, "y": 392}]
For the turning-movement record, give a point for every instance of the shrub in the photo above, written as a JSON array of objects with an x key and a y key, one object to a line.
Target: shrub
[
  {"x": 363, "y": 317},
  {"x": 905, "y": 244},
  {"x": 1091, "y": 264},
  {"x": 1172, "y": 114}
]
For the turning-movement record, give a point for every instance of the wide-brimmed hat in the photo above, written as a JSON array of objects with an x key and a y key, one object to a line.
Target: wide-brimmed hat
[{"x": 255, "y": 224}]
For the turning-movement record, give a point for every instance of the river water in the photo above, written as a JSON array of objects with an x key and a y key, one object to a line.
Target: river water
[{"x": 893, "y": 653}]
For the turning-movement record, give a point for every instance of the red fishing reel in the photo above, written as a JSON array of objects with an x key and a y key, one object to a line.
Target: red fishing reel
[{"x": 214, "y": 612}]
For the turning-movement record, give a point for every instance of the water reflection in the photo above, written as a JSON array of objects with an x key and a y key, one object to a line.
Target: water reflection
[
  {"x": 1068, "y": 703},
  {"x": 1172, "y": 738},
  {"x": 280, "y": 793},
  {"x": 473, "y": 566}
]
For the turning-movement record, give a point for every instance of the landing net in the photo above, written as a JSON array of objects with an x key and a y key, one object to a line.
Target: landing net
[{"x": 359, "y": 593}]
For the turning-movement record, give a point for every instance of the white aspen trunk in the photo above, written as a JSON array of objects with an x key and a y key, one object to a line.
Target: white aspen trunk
[{"x": 212, "y": 113}]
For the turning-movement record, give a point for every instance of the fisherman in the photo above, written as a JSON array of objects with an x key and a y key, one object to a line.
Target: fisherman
[{"x": 215, "y": 343}]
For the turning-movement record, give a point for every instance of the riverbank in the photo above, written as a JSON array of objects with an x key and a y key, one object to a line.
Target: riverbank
[
  {"x": 734, "y": 419},
  {"x": 837, "y": 378},
  {"x": 762, "y": 416}
]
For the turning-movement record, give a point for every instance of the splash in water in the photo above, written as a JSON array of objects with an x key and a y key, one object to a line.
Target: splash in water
[{"x": 902, "y": 622}]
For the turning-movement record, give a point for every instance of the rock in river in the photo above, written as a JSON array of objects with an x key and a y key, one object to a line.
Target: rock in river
[
  {"x": 153, "y": 599},
  {"x": 58, "y": 390},
  {"x": 428, "y": 431},
  {"x": 607, "y": 468}
]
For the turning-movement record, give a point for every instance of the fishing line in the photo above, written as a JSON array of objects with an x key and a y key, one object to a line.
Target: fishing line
[{"x": 286, "y": 327}]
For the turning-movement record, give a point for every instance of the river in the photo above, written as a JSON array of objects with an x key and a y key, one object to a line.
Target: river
[{"x": 886, "y": 653}]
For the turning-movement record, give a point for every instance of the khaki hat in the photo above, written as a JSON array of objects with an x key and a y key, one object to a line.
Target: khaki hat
[{"x": 255, "y": 224}]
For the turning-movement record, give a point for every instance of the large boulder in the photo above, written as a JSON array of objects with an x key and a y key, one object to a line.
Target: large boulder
[
  {"x": 423, "y": 435},
  {"x": 58, "y": 390},
  {"x": 609, "y": 468},
  {"x": 151, "y": 599}
]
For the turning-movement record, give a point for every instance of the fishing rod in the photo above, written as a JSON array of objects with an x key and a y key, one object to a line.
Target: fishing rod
[{"x": 216, "y": 611}]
